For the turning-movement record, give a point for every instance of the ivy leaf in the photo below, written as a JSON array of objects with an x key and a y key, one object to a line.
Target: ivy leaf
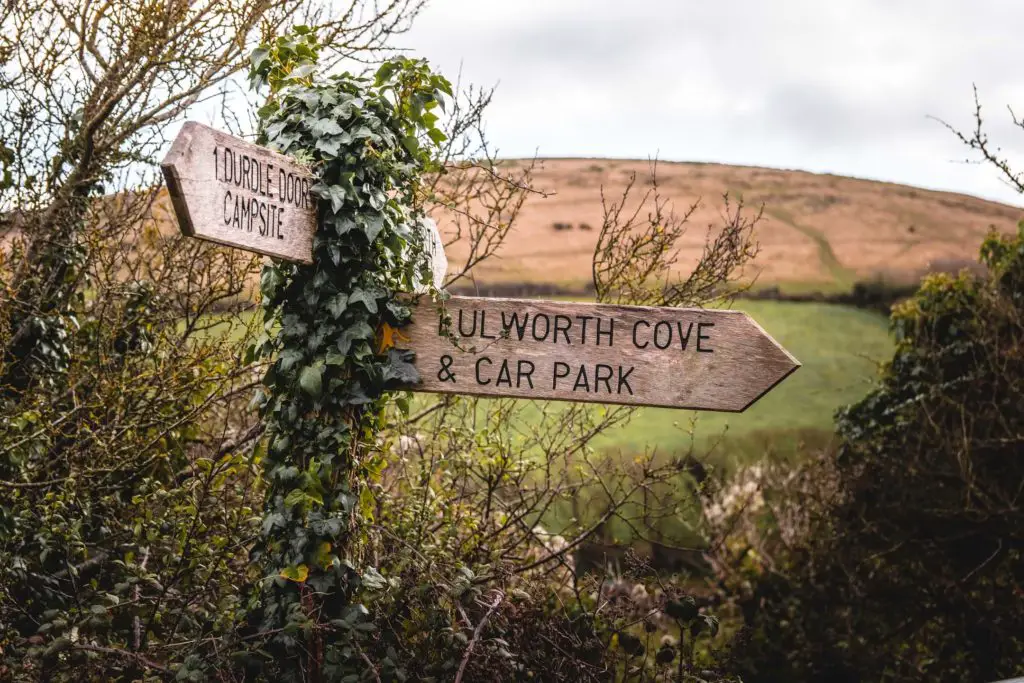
[
  {"x": 356, "y": 332},
  {"x": 301, "y": 496},
  {"x": 372, "y": 226},
  {"x": 368, "y": 297},
  {"x": 258, "y": 57},
  {"x": 311, "y": 380},
  {"x": 292, "y": 327},
  {"x": 270, "y": 280},
  {"x": 367, "y": 503},
  {"x": 437, "y": 136},
  {"x": 324, "y": 558},
  {"x": 411, "y": 144},
  {"x": 334, "y": 193},
  {"x": 337, "y": 304},
  {"x": 343, "y": 225},
  {"x": 330, "y": 527},
  {"x": 285, "y": 140},
  {"x": 275, "y": 129},
  {"x": 308, "y": 97},
  {"x": 384, "y": 73},
  {"x": 357, "y": 396},
  {"x": 337, "y": 198},
  {"x": 289, "y": 358},
  {"x": 399, "y": 368},
  {"x": 400, "y": 312},
  {"x": 329, "y": 146},
  {"x": 298, "y": 574},
  {"x": 271, "y": 521},
  {"x": 322, "y": 127},
  {"x": 301, "y": 71},
  {"x": 335, "y": 251}
]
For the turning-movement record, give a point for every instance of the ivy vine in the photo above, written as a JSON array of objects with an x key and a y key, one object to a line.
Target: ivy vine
[{"x": 330, "y": 329}]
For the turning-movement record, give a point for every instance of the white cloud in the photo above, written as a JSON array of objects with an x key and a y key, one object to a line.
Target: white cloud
[{"x": 843, "y": 86}]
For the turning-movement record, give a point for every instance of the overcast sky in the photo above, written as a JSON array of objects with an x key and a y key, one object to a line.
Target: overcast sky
[{"x": 839, "y": 86}]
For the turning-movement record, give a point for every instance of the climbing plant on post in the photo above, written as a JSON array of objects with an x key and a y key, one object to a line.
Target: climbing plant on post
[{"x": 330, "y": 331}]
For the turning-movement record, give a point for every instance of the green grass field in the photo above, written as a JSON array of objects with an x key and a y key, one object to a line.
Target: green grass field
[{"x": 839, "y": 348}]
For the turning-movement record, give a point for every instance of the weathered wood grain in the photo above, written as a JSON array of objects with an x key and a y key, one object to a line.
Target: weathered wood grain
[
  {"x": 701, "y": 359},
  {"x": 236, "y": 193}
]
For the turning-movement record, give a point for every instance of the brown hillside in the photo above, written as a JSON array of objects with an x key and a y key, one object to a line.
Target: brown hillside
[
  {"x": 817, "y": 229},
  {"x": 820, "y": 231}
]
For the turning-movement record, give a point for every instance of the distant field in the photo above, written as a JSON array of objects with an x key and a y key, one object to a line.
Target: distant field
[{"x": 840, "y": 349}]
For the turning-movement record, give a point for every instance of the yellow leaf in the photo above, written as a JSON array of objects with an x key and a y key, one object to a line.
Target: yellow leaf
[
  {"x": 388, "y": 336},
  {"x": 323, "y": 555},
  {"x": 296, "y": 574},
  {"x": 367, "y": 503}
]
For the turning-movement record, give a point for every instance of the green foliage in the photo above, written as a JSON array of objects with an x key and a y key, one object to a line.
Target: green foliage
[
  {"x": 912, "y": 571},
  {"x": 124, "y": 513},
  {"x": 368, "y": 141}
]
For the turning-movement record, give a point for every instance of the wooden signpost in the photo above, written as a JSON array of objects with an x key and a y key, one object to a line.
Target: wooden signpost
[{"x": 239, "y": 194}]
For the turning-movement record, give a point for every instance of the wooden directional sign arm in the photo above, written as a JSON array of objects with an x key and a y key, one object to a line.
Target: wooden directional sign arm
[
  {"x": 235, "y": 193},
  {"x": 238, "y": 194},
  {"x": 702, "y": 359}
]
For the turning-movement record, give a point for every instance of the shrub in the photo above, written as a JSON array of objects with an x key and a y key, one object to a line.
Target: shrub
[{"x": 914, "y": 570}]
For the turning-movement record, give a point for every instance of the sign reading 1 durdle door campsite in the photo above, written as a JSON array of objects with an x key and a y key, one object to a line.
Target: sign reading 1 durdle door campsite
[{"x": 239, "y": 194}]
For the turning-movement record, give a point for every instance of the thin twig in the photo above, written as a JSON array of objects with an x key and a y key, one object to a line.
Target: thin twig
[
  {"x": 145, "y": 661},
  {"x": 476, "y": 634}
]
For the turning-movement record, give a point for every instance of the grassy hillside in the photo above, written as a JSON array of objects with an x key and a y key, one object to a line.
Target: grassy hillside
[{"x": 819, "y": 231}]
